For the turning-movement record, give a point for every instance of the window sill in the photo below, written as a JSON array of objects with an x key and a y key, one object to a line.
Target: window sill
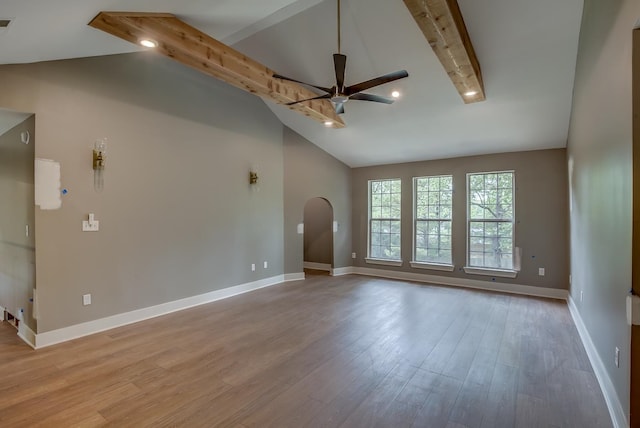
[
  {"x": 503, "y": 273},
  {"x": 383, "y": 262},
  {"x": 432, "y": 266}
]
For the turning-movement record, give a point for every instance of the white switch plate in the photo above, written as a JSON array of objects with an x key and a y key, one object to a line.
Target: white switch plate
[
  {"x": 90, "y": 227},
  {"x": 266, "y": 265},
  {"x": 86, "y": 299},
  {"x": 253, "y": 267},
  {"x": 633, "y": 310},
  {"x": 617, "y": 358},
  {"x": 541, "y": 271},
  {"x": 353, "y": 255}
]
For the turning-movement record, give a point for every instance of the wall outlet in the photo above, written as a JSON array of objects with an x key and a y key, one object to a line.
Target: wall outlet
[
  {"x": 86, "y": 299},
  {"x": 265, "y": 264},
  {"x": 541, "y": 271},
  {"x": 90, "y": 227},
  {"x": 353, "y": 255},
  {"x": 617, "y": 358},
  {"x": 581, "y": 295},
  {"x": 253, "y": 267}
]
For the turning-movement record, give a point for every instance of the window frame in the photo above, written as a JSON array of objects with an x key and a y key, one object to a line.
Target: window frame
[
  {"x": 377, "y": 260},
  {"x": 432, "y": 265},
  {"x": 492, "y": 271}
]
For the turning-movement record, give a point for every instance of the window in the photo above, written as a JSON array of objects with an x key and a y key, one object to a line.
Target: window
[
  {"x": 490, "y": 211},
  {"x": 384, "y": 219},
  {"x": 433, "y": 212}
]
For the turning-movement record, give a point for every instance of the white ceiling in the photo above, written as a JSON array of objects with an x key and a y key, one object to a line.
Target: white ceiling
[{"x": 527, "y": 51}]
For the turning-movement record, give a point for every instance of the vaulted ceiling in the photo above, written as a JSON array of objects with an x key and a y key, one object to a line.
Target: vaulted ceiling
[{"x": 526, "y": 49}]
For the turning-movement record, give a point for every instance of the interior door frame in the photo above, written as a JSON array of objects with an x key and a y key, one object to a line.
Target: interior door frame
[{"x": 634, "y": 405}]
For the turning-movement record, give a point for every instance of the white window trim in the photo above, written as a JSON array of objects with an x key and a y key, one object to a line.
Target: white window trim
[
  {"x": 503, "y": 273},
  {"x": 432, "y": 266},
  {"x": 383, "y": 262}
]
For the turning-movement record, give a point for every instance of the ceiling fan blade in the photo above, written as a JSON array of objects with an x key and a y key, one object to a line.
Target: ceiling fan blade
[
  {"x": 363, "y": 86},
  {"x": 340, "y": 64},
  {"x": 322, "y": 88},
  {"x": 326, "y": 96},
  {"x": 340, "y": 108},
  {"x": 370, "y": 97}
]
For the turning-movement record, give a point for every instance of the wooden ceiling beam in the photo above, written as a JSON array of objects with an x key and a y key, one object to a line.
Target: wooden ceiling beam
[
  {"x": 442, "y": 24},
  {"x": 193, "y": 48}
]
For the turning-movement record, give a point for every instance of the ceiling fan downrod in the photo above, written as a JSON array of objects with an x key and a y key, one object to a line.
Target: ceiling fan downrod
[
  {"x": 339, "y": 94},
  {"x": 339, "y": 25}
]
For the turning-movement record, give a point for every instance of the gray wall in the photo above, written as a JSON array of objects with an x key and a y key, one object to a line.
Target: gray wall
[
  {"x": 600, "y": 167},
  {"x": 178, "y": 217},
  {"x": 318, "y": 231},
  {"x": 310, "y": 172},
  {"x": 540, "y": 209},
  {"x": 17, "y": 209}
]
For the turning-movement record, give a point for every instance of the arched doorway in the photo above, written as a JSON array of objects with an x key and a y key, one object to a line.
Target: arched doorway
[{"x": 318, "y": 236}]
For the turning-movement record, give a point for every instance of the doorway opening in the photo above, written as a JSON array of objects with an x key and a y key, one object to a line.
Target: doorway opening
[
  {"x": 318, "y": 237},
  {"x": 17, "y": 220}
]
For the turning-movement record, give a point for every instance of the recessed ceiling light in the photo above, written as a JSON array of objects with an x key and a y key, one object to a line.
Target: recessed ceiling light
[
  {"x": 328, "y": 123},
  {"x": 148, "y": 43},
  {"x": 470, "y": 93},
  {"x": 395, "y": 94}
]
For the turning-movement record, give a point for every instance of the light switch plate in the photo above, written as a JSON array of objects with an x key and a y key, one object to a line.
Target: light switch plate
[
  {"x": 86, "y": 299},
  {"x": 633, "y": 310}
]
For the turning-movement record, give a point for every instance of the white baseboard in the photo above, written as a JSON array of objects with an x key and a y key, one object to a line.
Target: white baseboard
[
  {"x": 552, "y": 293},
  {"x": 91, "y": 327},
  {"x": 26, "y": 334},
  {"x": 317, "y": 266},
  {"x": 618, "y": 416},
  {"x": 343, "y": 271},
  {"x": 294, "y": 276}
]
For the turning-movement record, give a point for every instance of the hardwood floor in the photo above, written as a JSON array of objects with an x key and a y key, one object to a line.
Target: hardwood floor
[{"x": 326, "y": 352}]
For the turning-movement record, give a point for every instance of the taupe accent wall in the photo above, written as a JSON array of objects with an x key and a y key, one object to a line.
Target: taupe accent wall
[
  {"x": 541, "y": 216},
  {"x": 17, "y": 210},
  {"x": 310, "y": 172},
  {"x": 177, "y": 215},
  {"x": 600, "y": 167}
]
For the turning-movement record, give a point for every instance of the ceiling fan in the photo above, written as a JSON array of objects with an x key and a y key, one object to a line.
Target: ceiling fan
[{"x": 339, "y": 94}]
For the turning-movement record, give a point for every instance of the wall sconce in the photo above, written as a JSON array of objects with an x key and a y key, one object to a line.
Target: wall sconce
[
  {"x": 253, "y": 179},
  {"x": 99, "y": 159}
]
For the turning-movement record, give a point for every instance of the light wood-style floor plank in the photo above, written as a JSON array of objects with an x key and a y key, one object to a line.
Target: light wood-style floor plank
[{"x": 326, "y": 352}]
